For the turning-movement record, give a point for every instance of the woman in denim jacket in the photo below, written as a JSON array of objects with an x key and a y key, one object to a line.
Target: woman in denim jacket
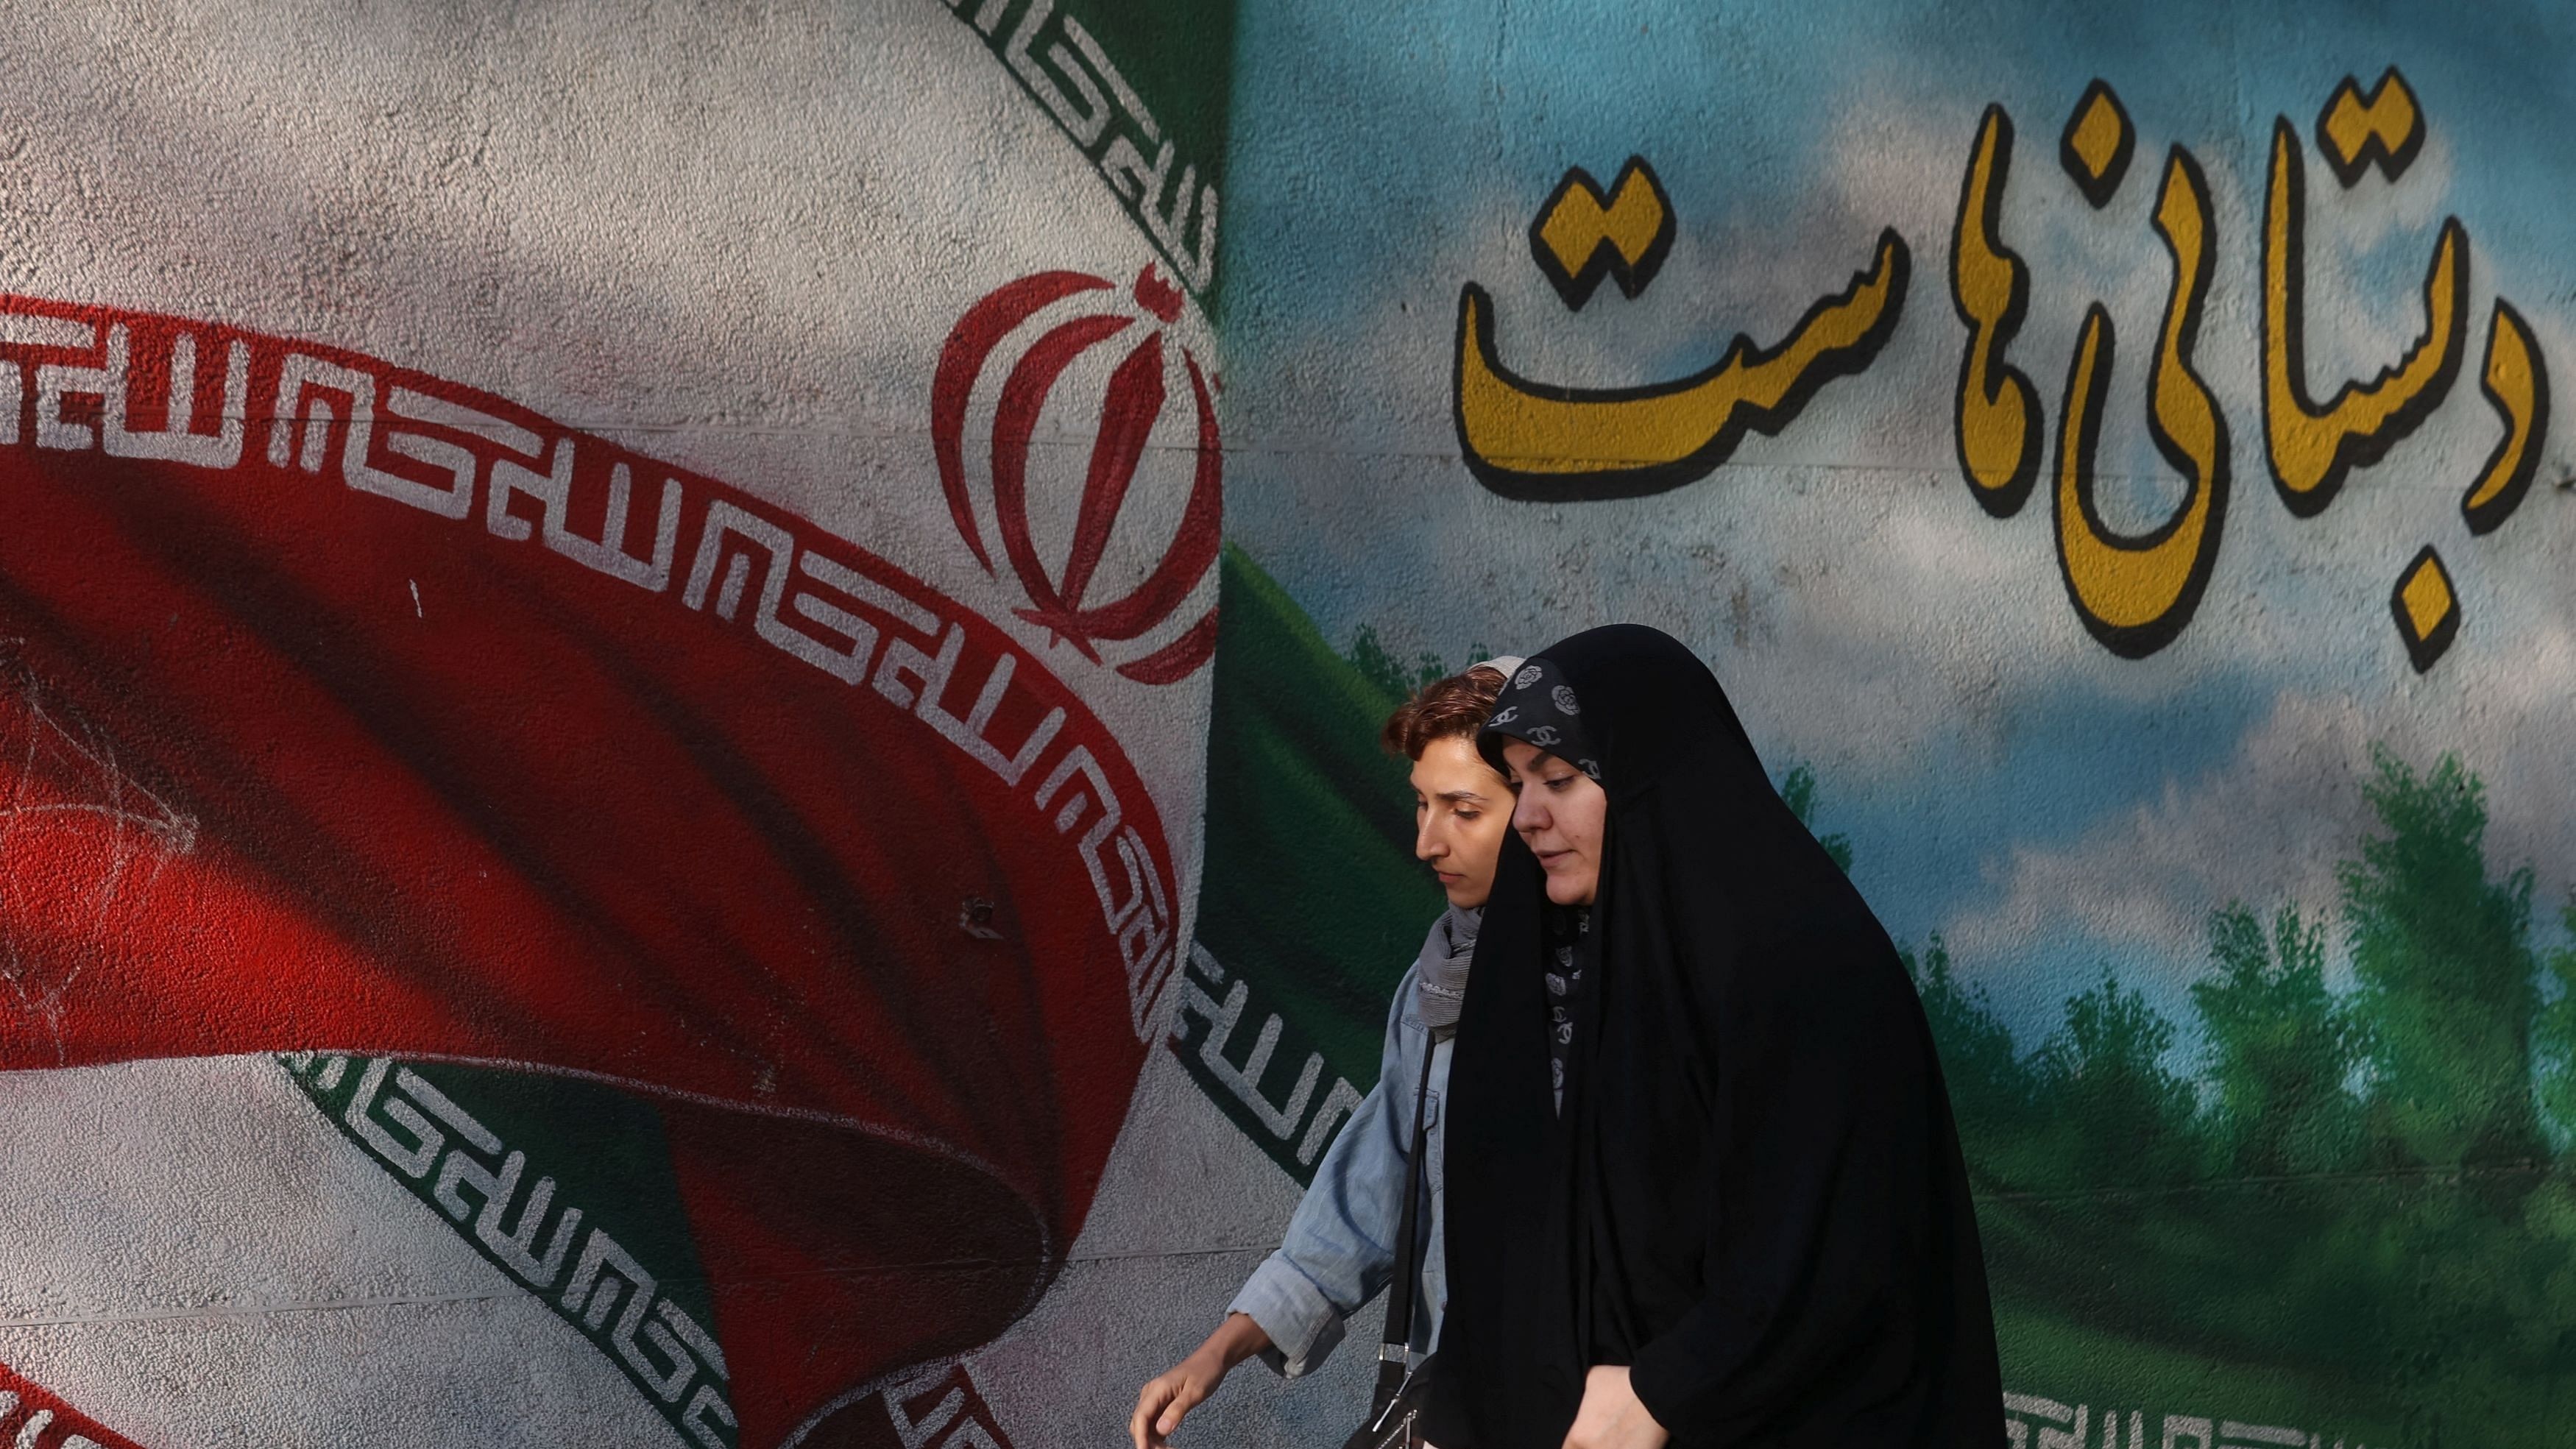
[{"x": 1340, "y": 1249}]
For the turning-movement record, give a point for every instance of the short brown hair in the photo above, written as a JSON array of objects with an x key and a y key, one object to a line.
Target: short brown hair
[{"x": 1452, "y": 708}]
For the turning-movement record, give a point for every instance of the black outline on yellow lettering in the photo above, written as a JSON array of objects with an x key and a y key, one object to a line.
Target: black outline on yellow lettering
[
  {"x": 2098, "y": 190},
  {"x": 2353, "y": 449},
  {"x": 2425, "y": 652},
  {"x": 2006, "y": 500},
  {"x": 1640, "y": 482},
  {"x": 2079, "y": 433},
  {"x": 2392, "y": 163},
  {"x": 2191, "y": 294},
  {"x": 2484, "y": 518},
  {"x": 1576, "y": 287}
]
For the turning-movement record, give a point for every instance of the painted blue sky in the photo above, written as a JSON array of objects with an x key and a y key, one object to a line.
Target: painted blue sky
[{"x": 2054, "y": 810}]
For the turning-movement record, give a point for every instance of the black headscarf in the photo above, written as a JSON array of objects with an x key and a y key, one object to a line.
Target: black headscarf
[{"x": 1754, "y": 1196}]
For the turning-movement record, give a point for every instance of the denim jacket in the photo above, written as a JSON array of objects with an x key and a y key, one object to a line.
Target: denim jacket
[{"x": 1339, "y": 1251}]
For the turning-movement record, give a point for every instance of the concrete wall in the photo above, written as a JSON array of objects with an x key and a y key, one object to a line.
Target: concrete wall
[{"x": 647, "y": 802}]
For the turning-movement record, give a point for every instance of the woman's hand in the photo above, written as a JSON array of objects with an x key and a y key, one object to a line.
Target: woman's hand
[
  {"x": 1611, "y": 1416},
  {"x": 1169, "y": 1396}
]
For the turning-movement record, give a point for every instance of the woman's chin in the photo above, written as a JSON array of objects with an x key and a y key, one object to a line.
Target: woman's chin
[{"x": 1566, "y": 892}]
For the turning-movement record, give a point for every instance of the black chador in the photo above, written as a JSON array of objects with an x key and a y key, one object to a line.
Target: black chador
[{"x": 1751, "y": 1193}]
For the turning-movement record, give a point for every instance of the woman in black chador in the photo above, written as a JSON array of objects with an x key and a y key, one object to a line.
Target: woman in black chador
[{"x": 1704, "y": 1187}]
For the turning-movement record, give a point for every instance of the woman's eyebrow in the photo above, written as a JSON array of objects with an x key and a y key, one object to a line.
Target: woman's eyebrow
[{"x": 1460, "y": 795}]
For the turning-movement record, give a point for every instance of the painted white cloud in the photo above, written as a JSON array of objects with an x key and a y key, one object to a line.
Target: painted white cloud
[{"x": 2270, "y": 826}]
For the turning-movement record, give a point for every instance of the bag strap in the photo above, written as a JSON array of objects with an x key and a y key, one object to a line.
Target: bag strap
[{"x": 1399, "y": 1305}]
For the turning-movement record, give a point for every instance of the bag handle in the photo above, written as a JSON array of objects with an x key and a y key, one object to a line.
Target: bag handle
[
  {"x": 1395, "y": 1358},
  {"x": 1397, "y": 1347}
]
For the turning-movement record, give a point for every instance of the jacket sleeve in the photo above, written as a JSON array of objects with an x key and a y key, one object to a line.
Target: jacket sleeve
[{"x": 1340, "y": 1248}]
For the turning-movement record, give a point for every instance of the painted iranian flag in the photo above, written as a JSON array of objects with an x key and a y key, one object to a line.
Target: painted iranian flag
[{"x": 607, "y": 633}]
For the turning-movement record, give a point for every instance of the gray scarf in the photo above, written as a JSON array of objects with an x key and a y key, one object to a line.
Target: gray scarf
[{"x": 1445, "y": 954}]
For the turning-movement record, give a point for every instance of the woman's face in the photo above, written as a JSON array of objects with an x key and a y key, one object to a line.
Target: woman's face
[
  {"x": 1562, "y": 815},
  {"x": 1460, "y": 810}
]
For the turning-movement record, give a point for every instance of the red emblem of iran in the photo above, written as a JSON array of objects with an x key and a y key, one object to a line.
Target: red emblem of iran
[{"x": 1135, "y": 529}]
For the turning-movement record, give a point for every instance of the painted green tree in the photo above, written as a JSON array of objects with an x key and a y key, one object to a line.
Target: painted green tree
[
  {"x": 2118, "y": 1117},
  {"x": 2449, "y": 987},
  {"x": 2280, "y": 1048},
  {"x": 2556, "y": 1032},
  {"x": 2357, "y": 1194},
  {"x": 1993, "y": 1092},
  {"x": 1798, "y": 792}
]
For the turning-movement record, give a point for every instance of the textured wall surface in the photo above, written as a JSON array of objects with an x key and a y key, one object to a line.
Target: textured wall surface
[{"x": 687, "y": 696}]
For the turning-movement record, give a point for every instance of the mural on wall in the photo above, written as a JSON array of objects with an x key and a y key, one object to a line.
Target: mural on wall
[
  {"x": 2232, "y": 885},
  {"x": 665, "y": 789}
]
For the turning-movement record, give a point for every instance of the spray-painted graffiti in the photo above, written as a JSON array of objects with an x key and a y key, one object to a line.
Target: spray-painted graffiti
[{"x": 73, "y": 811}]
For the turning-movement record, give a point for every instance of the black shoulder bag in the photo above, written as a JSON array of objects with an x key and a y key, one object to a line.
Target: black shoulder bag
[{"x": 1396, "y": 1409}]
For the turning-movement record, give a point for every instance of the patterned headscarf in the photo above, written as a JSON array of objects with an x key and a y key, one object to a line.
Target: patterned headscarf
[{"x": 1539, "y": 708}]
